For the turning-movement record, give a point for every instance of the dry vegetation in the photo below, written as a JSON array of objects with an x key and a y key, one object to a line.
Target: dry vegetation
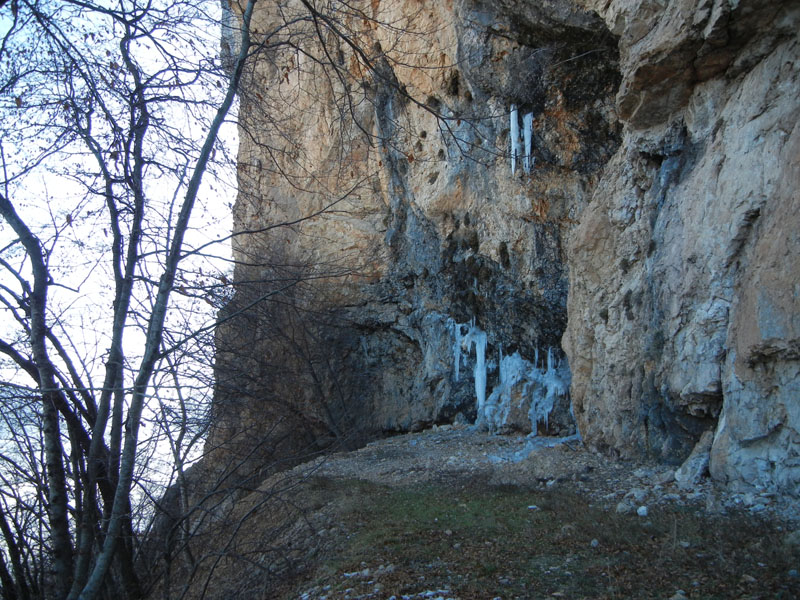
[
  {"x": 437, "y": 514},
  {"x": 478, "y": 541}
]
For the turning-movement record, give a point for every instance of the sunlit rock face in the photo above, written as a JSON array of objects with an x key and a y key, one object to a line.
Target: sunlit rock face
[
  {"x": 684, "y": 305},
  {"x": 655, "y": 229},
  {"x": 417, "y": 222}
]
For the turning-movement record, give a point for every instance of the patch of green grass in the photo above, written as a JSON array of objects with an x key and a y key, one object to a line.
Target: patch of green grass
[{"x": 479, "y": 541}]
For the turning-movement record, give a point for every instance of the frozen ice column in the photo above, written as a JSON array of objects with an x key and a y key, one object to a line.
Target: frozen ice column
[
  {"x": 461, "y": 341},
  {"x": 527, "y": 131},
  {"x": 516, "y": 151}
]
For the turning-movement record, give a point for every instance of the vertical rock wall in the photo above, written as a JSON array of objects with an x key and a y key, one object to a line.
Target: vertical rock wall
[
  {"x": 407, "y": 224},
  {"x": 664, "y": 196},
  {"x": 684, "y": 308}
]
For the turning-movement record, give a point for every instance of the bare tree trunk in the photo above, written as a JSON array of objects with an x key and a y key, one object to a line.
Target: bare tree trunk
[
  {"x": 7, "y": 582},
  {"x": 20, "y": 585},
  {"x": 54, "y": 450},
  {"x": 156, "y": 326}
]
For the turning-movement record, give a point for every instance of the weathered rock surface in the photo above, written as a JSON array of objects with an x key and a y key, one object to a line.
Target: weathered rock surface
[
  {"x": 683, "y": 299},
  {"x": 695, "y": 468},
  {"x": 407, "y": 224},
  {"x": 663, "y": 196},
  {"x": 684, "y": 307}
]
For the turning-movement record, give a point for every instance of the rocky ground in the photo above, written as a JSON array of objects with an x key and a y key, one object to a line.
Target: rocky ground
[
  {"x": 455, "y": 513},
  {"x": 451, "y": 513},
  {"x": 451, "y": 453}
]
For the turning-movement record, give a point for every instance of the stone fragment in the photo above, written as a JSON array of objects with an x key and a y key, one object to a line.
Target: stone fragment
[
  {"x": 664, "y": 477},
  {"x": 624, "y": 508},
  {"x": 694, "y": 468},
  {"x": 637, "y": 495}
]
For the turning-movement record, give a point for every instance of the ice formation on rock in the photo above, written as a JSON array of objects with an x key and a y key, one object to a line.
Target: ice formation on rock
[
  {"x": 479, "y": 339},
  {"x": 515, "y": 146},
  {"x": 540, "y": 387},
  {"x": 464, "y": 342},
  {"x": 517, "y": 140},
  {"x": 457, "y": 338},
  {"x": 552, "y": 384},
  {"x": 527, "y": 128}
]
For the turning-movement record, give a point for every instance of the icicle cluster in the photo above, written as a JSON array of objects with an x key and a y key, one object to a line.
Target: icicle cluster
[
  {"x": 463, "y": 342},
  {"x": 542, "y": 386},
  {"x": 551, "y": 385},
  {"x": 516, "y": 141}
]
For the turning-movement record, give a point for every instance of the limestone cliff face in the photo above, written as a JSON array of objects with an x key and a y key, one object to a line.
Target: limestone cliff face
[
  {"x": 684, "y": 307},
  {"x": 410, "y": 237},
  {"x": 656, "y": 230}
]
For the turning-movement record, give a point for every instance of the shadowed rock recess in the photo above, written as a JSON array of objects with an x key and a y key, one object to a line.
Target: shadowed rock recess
[{"x": 427, "y": 217}]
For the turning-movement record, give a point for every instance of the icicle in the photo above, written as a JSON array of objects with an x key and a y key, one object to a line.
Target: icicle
[
  {"x": 515, "y": 149},
  {"x": 462, "y": 342},
  {"x": 527, "y": 125},
  {"x": 479, "y": 338},
  {"x": 500, "y": 362},
  {"x": 457, "y": 341}
]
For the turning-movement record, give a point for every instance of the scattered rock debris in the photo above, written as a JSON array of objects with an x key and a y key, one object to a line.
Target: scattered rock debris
[
  {"x": 338, "y": 502},
  {"x": 455, "y": 452}
]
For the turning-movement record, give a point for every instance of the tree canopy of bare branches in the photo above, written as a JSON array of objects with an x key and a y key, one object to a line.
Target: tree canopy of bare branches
[
  {"x": 111, "y": 120},
  {"x": 111, "y": 115}
]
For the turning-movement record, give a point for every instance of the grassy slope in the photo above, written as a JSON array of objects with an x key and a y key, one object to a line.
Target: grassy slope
[{"x": 483, "y": 542}]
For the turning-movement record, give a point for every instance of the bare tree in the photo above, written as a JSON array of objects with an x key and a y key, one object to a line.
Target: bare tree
[
  {"x": 111, "y": 123},
  {"x": 96, "y": 91}
]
